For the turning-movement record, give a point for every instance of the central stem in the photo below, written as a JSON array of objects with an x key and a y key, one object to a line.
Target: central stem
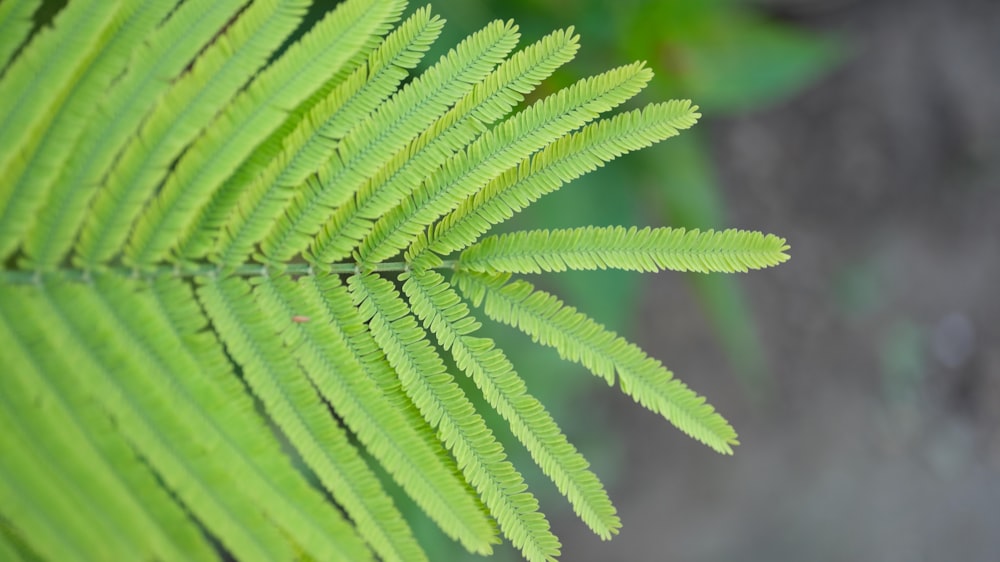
[{"x": 199, "y": 270}]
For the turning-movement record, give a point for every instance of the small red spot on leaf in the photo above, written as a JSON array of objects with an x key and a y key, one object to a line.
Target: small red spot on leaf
[{"x": 300, "y": 319}]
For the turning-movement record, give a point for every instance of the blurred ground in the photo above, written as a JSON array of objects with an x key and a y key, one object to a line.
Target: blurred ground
[{"x": 880, "y": 439}]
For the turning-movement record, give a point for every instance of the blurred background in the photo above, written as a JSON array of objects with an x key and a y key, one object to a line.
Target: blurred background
[{"x": 863, "y": 375}]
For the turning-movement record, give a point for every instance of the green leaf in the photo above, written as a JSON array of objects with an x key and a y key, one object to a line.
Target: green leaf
[
  {"x": 390, "y": 128},
  {"x": 744, "y": 62},
  {"x": 82, "y": 441},
  {"x": 249, "y": 118},
  {"x": 35, "y": 123},
  {"x": 189, "y": 106},
  {"x": 480, "y": 457},
  {"x": 292, "y": 403},
  {"x": 168, "y": 49},
  {"x": 99, "y": 353},
  {"x": 256, "y": 195},
  {"x": 547, "y": 170},
  {"x": 489, "y": 101},
  {"x": 496, "y": 151},
  {"x": 443, "y": 313},
  {"x": 579, "y": 339},
  {"x": 186, "y": 374},
  {"x": 728, "y": 251}
]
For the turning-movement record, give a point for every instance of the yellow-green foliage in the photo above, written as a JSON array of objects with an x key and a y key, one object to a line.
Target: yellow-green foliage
[{"x": 205, "y": 342}]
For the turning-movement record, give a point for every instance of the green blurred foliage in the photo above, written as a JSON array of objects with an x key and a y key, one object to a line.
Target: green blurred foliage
[
  {"x": 723, "y": 55},
  {"x": 903, "y": 361}
]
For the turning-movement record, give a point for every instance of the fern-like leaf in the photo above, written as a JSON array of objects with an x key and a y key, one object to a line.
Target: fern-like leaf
[
  {"x": 292, "y": 402},
  {"x": 324, "y": 355},
  {"x": 169, "y": 49},
  {"x": 303, "y": 516},
  {"x": 263, "y": 196},
  {"x": 252, "y": 453},
  {"x": 186, "y": 376},
  {"x": 82, "y": 437},
  {"x": 489, "y": 101},
  {"x": 50, "y": 235},
  {"x": 194, "y": 99},
  {"x": 579, "y": 339},
  {"x": 441, "y": 310},
  {"x": 480, "y": 457},
  {"x": 30, "y": 121},
  {"x": 547, "y": 170},
  {"x": 374, "y": 140},
  {"x": 92, "y": 345},
  {"x": 252, "y": 115},
  {"x": 496, "y": 151},
  {"x": 728, "y": 251}
]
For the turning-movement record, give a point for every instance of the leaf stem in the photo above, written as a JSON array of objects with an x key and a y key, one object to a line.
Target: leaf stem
[{"x": 192, "y": 270}]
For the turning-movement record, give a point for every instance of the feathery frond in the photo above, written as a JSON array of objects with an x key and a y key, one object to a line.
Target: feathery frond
[
  {"x": 374, "y": 140},
  {"x": 480, "y": 457},
  {"x": 142, "y": 511},
  {"x": 581, "y": 340},
  {"x": 489, "y": 101},
  {"x": 191, "y": 103},
  {"x": 186, "y": 375},
  {"x": 259, "y": 200},
  {"x": 441, "y": 310},
  {"x": 95, "y": 352},
  {"x": 323, "y": 354},
  {"x": 288, "y": 397},
  {"x": 49, "y": 236},
  {"x": 122, "y": 109},
  {"x": 497, "y": 150},
  {"x": 535, "y": 251},
  {"x": 35, "y": 90},
  {"x": 547, "y": 170},
  {"x": 252, "y": 115}
]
